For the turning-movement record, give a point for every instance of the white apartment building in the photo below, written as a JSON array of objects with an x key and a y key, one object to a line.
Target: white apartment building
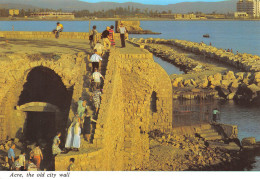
[{"x": 251, "y": 7}]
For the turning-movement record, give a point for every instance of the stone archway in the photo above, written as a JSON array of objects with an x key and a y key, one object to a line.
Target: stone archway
[{"x": 45, "y": 100}]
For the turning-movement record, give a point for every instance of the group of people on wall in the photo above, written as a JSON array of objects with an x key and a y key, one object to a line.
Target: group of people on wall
[{"x": 107, "y": 36}]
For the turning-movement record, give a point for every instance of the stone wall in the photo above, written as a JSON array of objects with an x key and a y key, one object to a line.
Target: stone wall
[
  {"x": 137, "y": 98},
  {"x": 39, "y": 35},
  {"x": 121, "y": 137},
  {"x": 14, "y": 73}
]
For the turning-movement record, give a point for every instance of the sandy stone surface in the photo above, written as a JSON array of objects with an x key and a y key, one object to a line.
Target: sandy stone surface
[{"x": 31, "y": 46}]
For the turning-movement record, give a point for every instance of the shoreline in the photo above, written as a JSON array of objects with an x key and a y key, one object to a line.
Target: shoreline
[{"x": 115, "y": 19}]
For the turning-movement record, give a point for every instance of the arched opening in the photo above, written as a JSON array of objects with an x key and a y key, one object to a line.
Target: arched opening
[
  {"x": 45, "y": 101},
  {"x": 44, "y": 85},
  {"x": 153, "y": 105}
]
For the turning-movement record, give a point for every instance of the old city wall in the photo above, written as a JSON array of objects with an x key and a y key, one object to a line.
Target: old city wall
[
  {"x": 38, "y": 35},
  {"x": 137, "y": 99},
  {"x": 127, "y": 114}
]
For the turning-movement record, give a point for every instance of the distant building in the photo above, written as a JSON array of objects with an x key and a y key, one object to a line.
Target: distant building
[
  {"x": 240, "y": 15},
  {"x": 52, "y": 15},
  {"x": 13, "y": 12},
  {"x": 178, "y": 16},
  {"x": 251, "y": 7},
  {"x": 215, "y": 16}
]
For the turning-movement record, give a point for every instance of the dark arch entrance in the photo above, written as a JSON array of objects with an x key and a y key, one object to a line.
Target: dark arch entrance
[
  {"x": 42, "y": 124},
  {"x": 44, "y": 85}
]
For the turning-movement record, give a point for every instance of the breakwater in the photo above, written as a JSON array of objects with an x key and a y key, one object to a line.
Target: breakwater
[{"x": 209, "y": 71}]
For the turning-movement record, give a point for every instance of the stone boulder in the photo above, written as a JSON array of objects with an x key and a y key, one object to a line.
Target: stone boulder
[
  {"x": 229, "y": 76},
  {"x": 248, "y": 141},
  {"x": 230, "y": 96}
]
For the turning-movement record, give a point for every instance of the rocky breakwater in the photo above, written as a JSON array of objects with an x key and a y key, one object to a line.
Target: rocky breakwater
[
  {"x": 241, "y": 86},
  {"x": 201, "y": 78},
  {"x": 174, "y": 152},
  {"x": 186, "y": 64},
  {"x": 133, "y": 27},
  {"x": 245, "y": 62}
]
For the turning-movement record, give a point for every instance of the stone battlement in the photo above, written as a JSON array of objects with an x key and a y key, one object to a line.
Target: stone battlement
[{"x": 40, "y": 35}]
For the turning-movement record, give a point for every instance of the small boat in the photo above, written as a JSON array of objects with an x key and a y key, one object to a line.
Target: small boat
[{"x": 206, "y": 35}]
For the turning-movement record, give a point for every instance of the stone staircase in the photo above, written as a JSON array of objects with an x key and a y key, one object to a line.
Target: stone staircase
[
  {"x": 87, "y": 93},
  {"x": 209, "y": 133}
]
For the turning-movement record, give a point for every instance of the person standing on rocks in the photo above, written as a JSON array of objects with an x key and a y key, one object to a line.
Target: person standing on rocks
[
  {"x": 105, "y": 38},
  {"x": 215, "y": 113},
  {"x": 122, "y": 31},
  {"x": 11, "y": 156},
  {"x": 95, "y": 59},
  {"x": 93, "y": 36}
]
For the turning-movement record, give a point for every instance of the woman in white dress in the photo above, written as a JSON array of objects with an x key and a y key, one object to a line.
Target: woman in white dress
[{"x": 73, "y": 137}]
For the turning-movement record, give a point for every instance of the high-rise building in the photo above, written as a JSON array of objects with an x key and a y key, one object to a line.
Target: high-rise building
[{"x": 251, "y": 7}]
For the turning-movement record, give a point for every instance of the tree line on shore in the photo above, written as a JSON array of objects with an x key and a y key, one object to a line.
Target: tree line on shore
[{"x": 118, "y": 11}]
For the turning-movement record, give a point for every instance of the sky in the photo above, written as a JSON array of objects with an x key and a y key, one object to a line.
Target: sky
[{"x": 157, "y": 2}]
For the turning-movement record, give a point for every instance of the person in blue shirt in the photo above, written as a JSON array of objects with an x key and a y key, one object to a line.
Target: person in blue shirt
[{"x": 11, "y": 156}]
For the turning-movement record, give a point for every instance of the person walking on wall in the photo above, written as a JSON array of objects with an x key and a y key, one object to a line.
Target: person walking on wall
[
  {"x": 96, "y": 96},
  {"x": 112, "y": 36},
  {"x": 82, "y": 107},
  {"x": 93, "y": 36},
  {"x": 11, "y": 156},
  {"x": 99, "y": 47},
  {"x": 96, "y": 79},
  {"x": 105, "y": 38},
  {"x": 95, "y": 59},
  {"x": 122, "y": 31}
]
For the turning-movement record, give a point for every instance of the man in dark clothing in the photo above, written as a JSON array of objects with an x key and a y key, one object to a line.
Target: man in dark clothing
[{"x": 105, "y": 37}]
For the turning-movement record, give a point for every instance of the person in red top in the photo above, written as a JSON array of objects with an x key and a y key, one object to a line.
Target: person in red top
[{"x": 112, "y": 36}]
